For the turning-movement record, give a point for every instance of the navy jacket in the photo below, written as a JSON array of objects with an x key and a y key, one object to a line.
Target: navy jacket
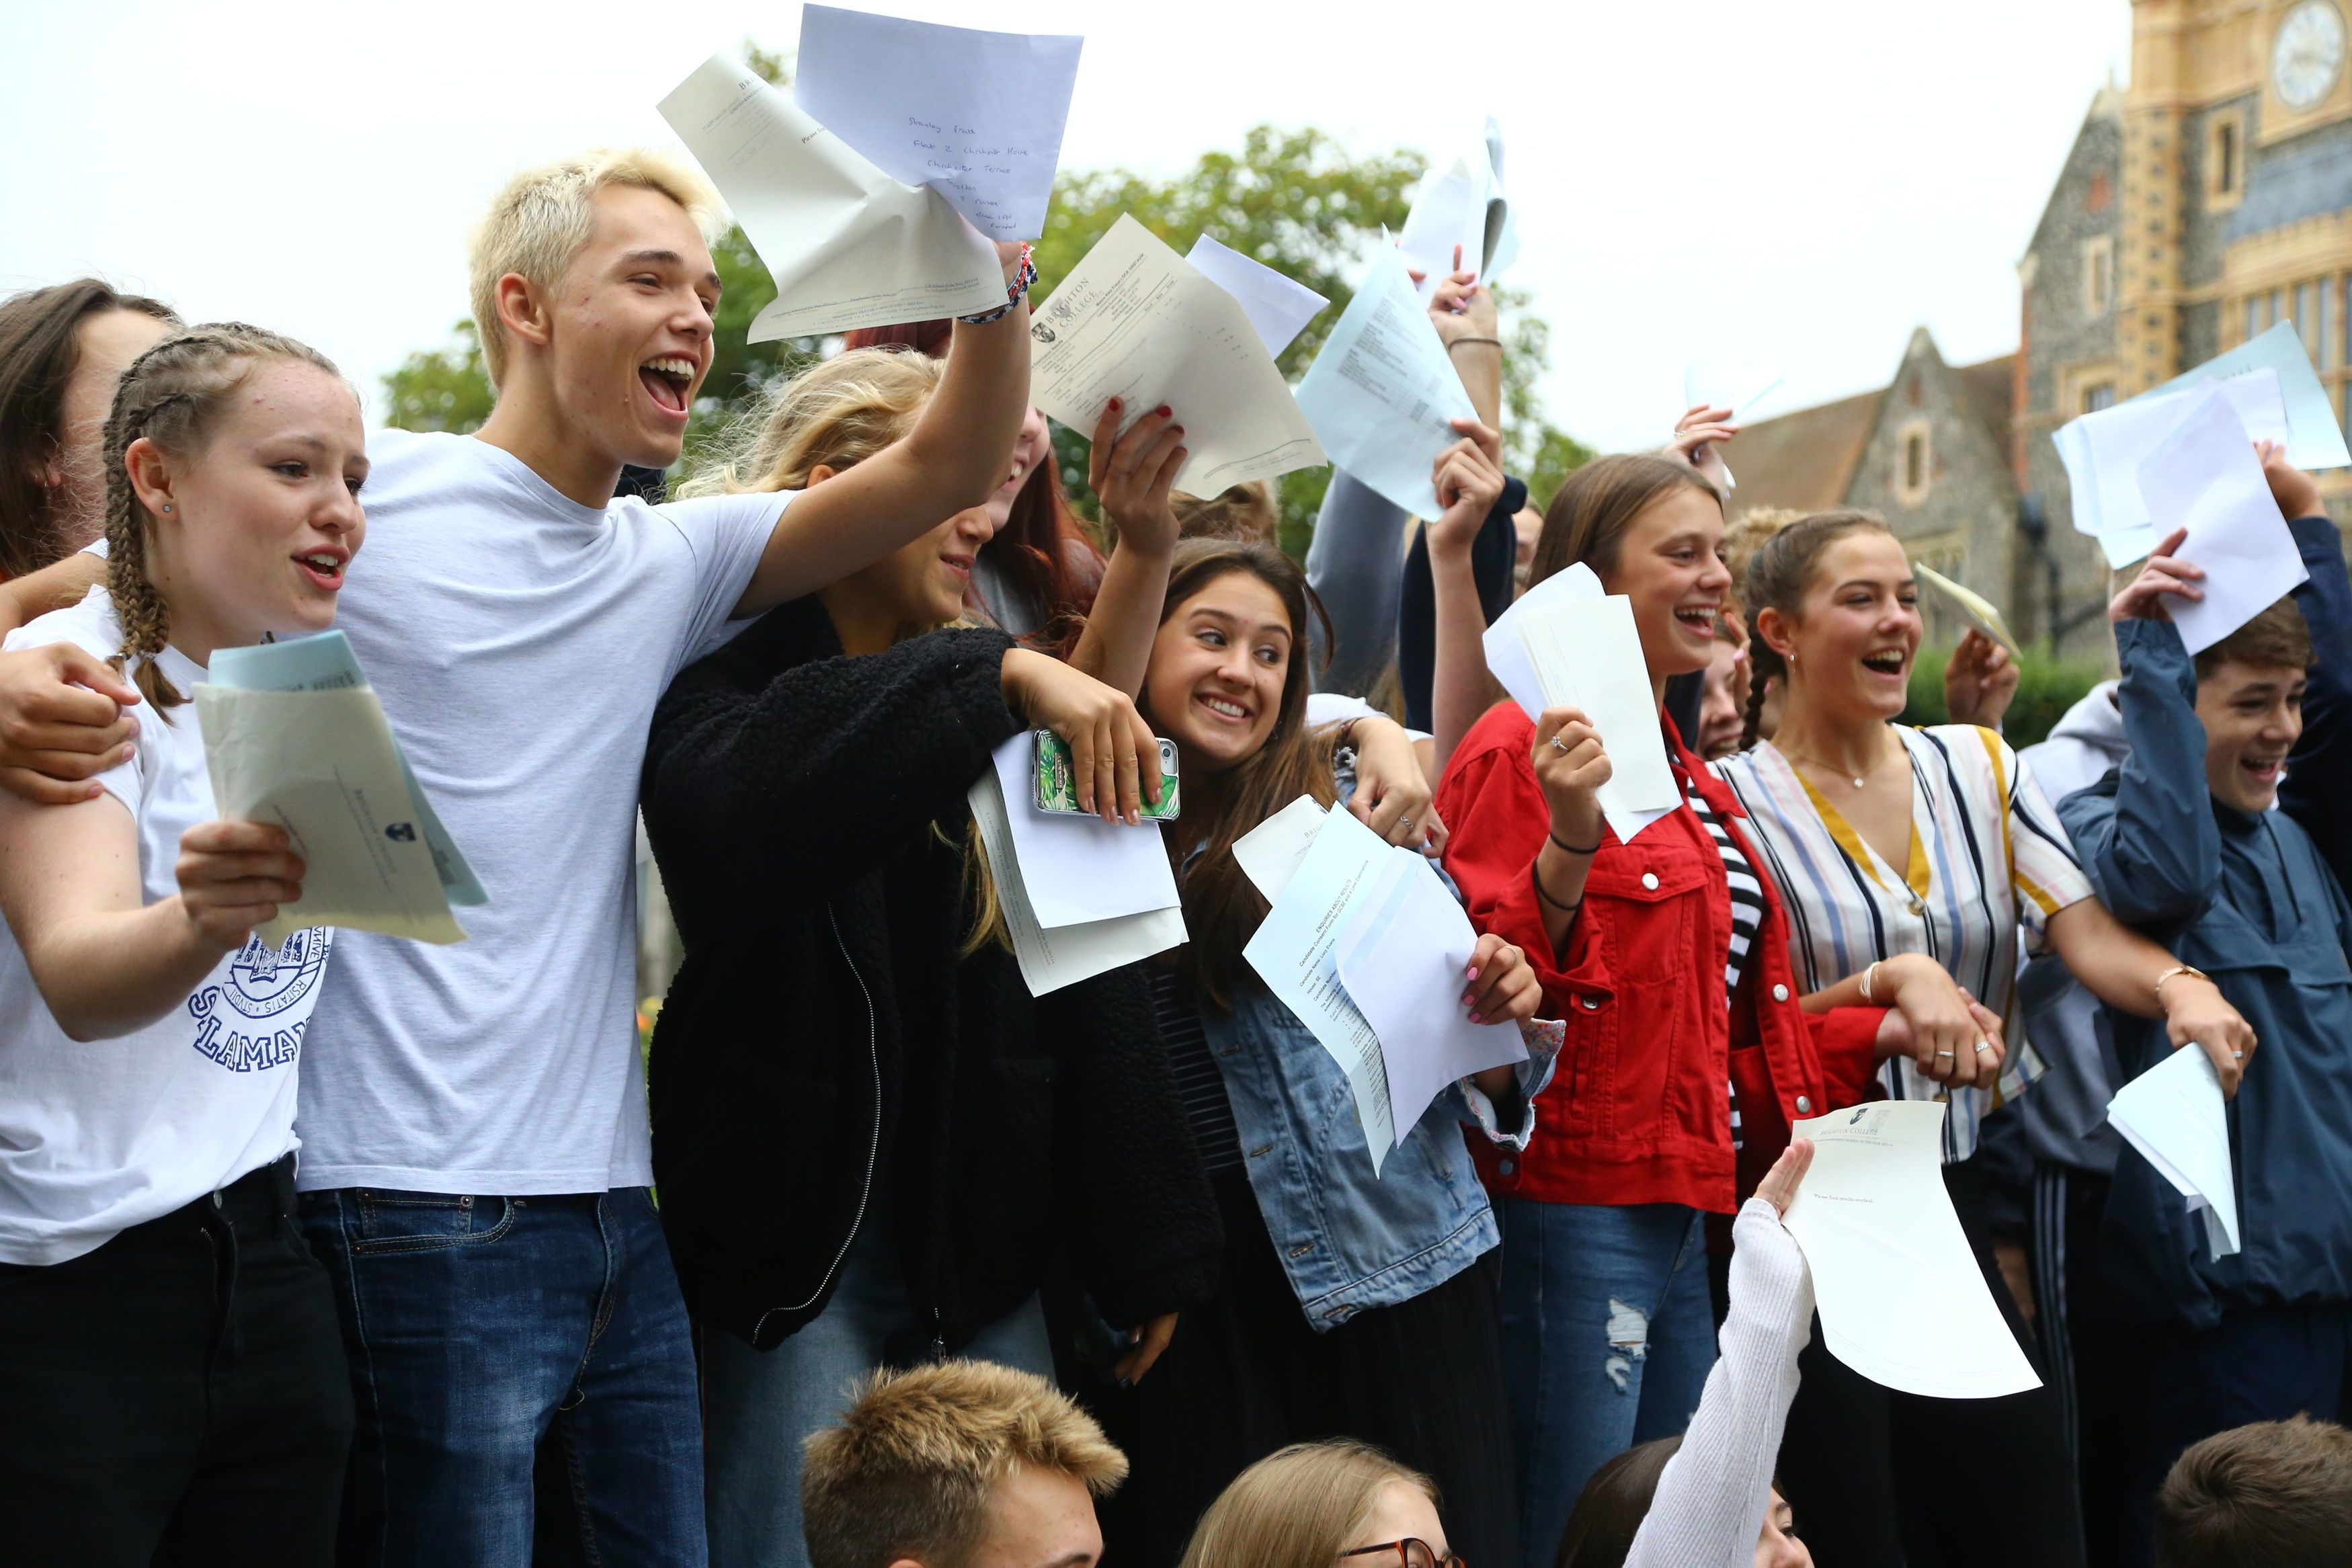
[
  {"x": 2317, "y": 789},
  {"x": 2249, "y": 900}
]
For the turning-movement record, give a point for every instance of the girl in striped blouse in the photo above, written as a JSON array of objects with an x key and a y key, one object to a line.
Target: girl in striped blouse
[{"x": 1895, "y": 849}]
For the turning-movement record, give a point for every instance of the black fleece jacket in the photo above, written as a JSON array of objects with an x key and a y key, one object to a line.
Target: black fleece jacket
[{"x": 808, "y": 812}]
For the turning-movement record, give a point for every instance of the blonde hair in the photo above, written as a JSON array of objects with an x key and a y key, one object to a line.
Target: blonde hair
[
  {"x": 1746, "y": 533},
  {"x": 1246, "y": 511},
  {"x": 545, "y": 217},
  {"x": 908, "y": 1470},
  {"x": 1299, "y": 1506},
  {"x": 171, "y": 395},
  {"x": 832, "y": 415}
]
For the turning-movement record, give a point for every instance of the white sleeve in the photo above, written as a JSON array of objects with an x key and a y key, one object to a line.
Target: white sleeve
[
  {"x": 728, "y": 535},
  {"x": 1709, "y": 1505}
]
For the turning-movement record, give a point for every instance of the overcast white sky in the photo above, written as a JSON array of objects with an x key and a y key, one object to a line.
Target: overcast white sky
[{"x": 1794, "y": 185}]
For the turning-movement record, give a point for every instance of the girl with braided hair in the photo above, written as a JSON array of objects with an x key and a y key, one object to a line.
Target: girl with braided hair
[{"x": 169, "y": 1355}]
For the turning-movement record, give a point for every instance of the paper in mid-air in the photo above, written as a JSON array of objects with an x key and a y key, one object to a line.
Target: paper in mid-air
[
  {"x": 2204, "y": 476},
  {"x": 1982, "y": 612}
]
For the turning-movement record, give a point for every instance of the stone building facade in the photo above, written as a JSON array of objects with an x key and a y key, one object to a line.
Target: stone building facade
[{"x": 2207, "y": 201}]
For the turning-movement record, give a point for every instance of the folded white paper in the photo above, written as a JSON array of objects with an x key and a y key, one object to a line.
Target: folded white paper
[
  {"x": 2103, "y": 452},
  {"x": 1269, "y": 853},
  {"x": 1052, "y": 959},
  {"x": 1135, "y": 322},
  {"x": 1403, "y": 955},
  {"x": 2313, "y": 438},
  {"x": 975, "y": 116},
  {"x": 1901, "y": 1298},
  {"x": 1278, "y": 307},
  {"x": 1077, "y": 870},
  {"x": 2204, "y": 476},
  {"x": 293, "y": 737},
  {"x": 1979, "y": 611},
  {"x": 1381, "y": 394},
  {"x": 847, "y": 246},
  {"x": 1294, "y": 953},
  {"x": 1461, "y": 203},
  {"x": 2174, "y": 1115}
]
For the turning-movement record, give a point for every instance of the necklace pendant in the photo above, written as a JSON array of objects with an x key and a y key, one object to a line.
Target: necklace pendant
[{"x": 1857, "y": 784}]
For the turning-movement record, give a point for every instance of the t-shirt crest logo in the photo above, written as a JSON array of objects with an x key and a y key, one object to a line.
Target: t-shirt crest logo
[{"x": 264, "y": 981}]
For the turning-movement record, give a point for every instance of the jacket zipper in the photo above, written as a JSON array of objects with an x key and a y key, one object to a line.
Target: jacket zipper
[{"x": 874, "y": 1144}]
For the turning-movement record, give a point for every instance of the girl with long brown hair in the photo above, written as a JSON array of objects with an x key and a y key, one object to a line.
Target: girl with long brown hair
[
  {"x": 169, "y": 1356},
  {"x": 1353, "y": 1303}
]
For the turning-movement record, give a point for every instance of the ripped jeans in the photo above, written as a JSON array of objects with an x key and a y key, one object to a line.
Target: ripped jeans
[{"x": 1607, "y": 1339}]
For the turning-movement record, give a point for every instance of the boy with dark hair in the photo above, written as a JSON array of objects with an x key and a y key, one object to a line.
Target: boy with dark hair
[
  {"x": 2183, "y": 844},
  {"x": 2277, "y": 1493},
  {"x": 957, "y": 1464}
]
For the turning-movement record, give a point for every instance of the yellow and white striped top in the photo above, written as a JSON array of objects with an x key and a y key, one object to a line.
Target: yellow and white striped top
[{"x": 1988, "y": 857}]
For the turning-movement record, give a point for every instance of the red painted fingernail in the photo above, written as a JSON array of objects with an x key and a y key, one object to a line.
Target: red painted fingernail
[
  {"x": 1114, "y": 405},
  {"x": 1165, "y": 411}
]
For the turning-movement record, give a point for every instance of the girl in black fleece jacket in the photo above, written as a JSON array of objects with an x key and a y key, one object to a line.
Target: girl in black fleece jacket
[{"x": 868, "y": 1136}]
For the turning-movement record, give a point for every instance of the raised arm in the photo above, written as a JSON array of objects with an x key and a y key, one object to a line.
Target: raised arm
[
  {"x": 1469, "y": 479},
  {"x": 960, "y": 450},
  {"x": 1131, "y": 475},
  {"x": 1355, "y": 563},
  {"x": 106, "y": 962},
  {"x": 2317, "y": 789}
]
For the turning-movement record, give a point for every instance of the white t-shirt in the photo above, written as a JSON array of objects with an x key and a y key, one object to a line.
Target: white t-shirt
[
  {"x": 98, "y": 1136},
  {"x": 518, "y": 642}
]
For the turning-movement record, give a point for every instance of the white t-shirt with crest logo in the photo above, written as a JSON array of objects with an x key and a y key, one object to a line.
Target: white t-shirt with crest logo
[{"x": 98, "y": 1136}]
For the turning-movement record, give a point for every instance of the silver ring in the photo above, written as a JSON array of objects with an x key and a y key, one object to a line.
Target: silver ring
[
  {"x": 1404, "y": 822},
  {"x": 1984, "y": 1045},
  {"x": 2239, "y": 1055},
  {"x": 1559, "y": 746},
  {"x": 1943, "y": 1053}
]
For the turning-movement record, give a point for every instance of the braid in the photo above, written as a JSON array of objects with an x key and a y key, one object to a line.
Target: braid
[
  {"x": 169, "y": 397},
  {"x": 1759, "y": 678}
]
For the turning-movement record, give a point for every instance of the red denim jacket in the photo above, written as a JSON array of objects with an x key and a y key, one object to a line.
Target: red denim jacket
[{"x": 1637, "y": 1111}]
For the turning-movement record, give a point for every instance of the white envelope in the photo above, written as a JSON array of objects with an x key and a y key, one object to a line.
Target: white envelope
[
  {"x": 1135, "y": 322},
  {"x": 1050, "y": 960},
  {"x": 976, "y": 116},
  {"x": 847, "y": 246},
  {"x": 1078, "y": 869}
]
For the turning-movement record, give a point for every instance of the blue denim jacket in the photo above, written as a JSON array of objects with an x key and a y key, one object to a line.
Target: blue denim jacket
[{"x": 1350, "y": 1239}]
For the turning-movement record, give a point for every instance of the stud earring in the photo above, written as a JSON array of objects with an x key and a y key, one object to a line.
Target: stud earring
[{"x": 167, "y": 506}]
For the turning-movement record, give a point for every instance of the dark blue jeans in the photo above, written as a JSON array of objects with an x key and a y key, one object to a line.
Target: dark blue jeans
[{"x": 524, "y": 1377}]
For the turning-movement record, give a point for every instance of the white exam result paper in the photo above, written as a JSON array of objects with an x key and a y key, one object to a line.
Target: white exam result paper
[
  {"x": 1269, "y": 853},
  {"x": 1278, "y": 306},
  {"x": 1381, "y": 393},
  {"x": 1587, "y": 655},
  {"x": 976, "y": 116},
  {"x": 847, "y": 246},
  {"x": 1293, "y": 952},
  {"x": 2204, "y": 476},
  {"x": 323, "y": 766},
  {"x": 1403, "y": 955},
  {"x": 1461, "y": 203},
  {"x": 2103, "y": 452},
  {"x": 1078, "y": 869},
  {"x": 2174, "y": 1115},
  {"x": 1050, "y": 960},
  {"x": 2315, "y": 439},
  {"x": 1135, "y": 322},
  {"x": 1901, "y": 1299}
]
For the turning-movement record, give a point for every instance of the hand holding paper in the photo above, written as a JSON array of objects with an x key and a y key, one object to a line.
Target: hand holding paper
[
  {"x": 1381, "y": 394},
  {"x": 1461, "y": 204},
  {"x": 1135, "y": 322}
]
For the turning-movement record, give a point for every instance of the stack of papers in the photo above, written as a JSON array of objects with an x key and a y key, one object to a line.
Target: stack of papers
[
  {"x": 2174, "y": 1116},
  {"x": 1565, "y": 642},
  {"x": 1138, "y": 323},
  {"x": 1079, "y": 895},
  {"x": 2272, "y": 388},
  {"x": 1901, "y": 1298},
  {"x": 1368, "y": 948},
  {"x": 2204, "y": 476},
  {"x": 873, "y": 193},
  {"x": 1382, "y": 393},
  {"x": 1461, "y": 203},
  {"x": 294, "y": 736}
]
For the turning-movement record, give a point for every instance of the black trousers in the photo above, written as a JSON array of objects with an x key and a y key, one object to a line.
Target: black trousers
[
  {"x": 2098, "y": 1363},
  {"x": 1879, "y": 1479},
  {"x": 177, "y": 1395},
  {"x": 1245, "y": 1376}
]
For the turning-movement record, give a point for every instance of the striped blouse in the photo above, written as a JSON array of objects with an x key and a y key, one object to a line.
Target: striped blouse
[{"x": 1987, "y": 857}]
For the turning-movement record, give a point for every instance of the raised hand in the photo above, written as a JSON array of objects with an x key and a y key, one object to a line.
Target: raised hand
[
  {"x": 1570, "y": 767},
  {"x": 2296, "y": 492},
  {"x": 1131, "y": 475},
  {"x": 235, "y": 876},
  {"x": 2163, "y": 577},
  {"x": 1468, "y": 477},
  {"x": 1115, "y": 757},
  {"x": 1979, "y": 680},
  {"x": 1698, "y": 435}
]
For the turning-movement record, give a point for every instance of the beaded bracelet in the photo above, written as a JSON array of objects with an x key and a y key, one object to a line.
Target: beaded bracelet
[{"x": 1014, "y": 292}]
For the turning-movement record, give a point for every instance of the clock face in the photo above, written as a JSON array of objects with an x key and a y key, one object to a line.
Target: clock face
[{"x": 2308, "y": 54}]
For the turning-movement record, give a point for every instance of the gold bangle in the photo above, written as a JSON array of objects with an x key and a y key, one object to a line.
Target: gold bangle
[{"x": 2177, "y": 970}]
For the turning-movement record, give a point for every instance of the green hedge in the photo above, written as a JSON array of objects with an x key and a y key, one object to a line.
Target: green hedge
[{"x": 2046, "y": 688}]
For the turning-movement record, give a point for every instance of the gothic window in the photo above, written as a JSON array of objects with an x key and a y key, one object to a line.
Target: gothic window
[{"x": 1914, "y": 463}]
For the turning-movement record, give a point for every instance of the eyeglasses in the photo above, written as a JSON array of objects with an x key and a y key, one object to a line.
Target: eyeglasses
[{"x": 1408, "y": 1553}]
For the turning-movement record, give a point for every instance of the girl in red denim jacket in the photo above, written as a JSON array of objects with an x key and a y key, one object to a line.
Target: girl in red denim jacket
[{"x": 1689, "y": 1049}]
